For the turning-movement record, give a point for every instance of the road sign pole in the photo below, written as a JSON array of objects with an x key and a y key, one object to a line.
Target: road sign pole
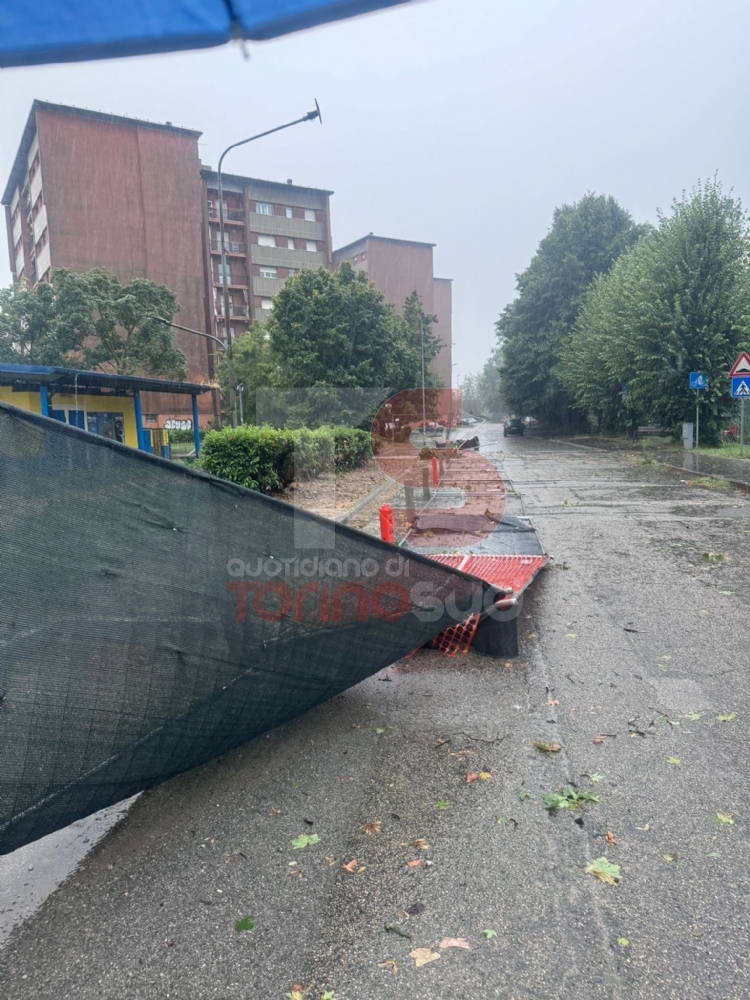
[
  {"x": 742, "y": 427},
  {"x": 697, "y": 417}
]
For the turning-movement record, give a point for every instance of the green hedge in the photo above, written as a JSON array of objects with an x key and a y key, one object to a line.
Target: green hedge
[{"x": 265, "y": 459}]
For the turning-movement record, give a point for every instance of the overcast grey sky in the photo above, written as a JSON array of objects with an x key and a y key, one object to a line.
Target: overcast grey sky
[{"x": 458, "y": 122}]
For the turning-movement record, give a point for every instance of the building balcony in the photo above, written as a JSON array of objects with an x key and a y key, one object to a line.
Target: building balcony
[
  {"x": 42, "y": 262},
  {"x": 40, "y": 223},
  {"x": 279, "y": 225},
  {"x": 235, "y": 280},
  {"x": 35, "y": 187},
  {"x": 233, "y": 247},
  {"x": 235, "y": 312},
  {"x": 267, "y": 287},
  {"x": 230, "y": 214},
  {"x": 279, "y": 257}
]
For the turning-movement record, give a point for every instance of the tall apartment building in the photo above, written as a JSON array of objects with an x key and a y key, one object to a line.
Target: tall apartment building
[
  {"x": 271, "y": 231},
  {"x": 89, "y": 189},
  {"x": 398, "y": 268}
]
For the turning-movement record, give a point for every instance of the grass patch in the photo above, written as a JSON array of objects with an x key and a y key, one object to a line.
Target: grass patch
[{"x": 712, "y": 483}]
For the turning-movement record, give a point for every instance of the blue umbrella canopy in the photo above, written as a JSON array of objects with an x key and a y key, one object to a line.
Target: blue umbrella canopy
[{"x": 49, "y": 31}]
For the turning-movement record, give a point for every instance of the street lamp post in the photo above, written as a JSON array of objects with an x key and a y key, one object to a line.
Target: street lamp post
[
  {"x": 200, "y": 333},
  {"x": 310, "y": 116}
]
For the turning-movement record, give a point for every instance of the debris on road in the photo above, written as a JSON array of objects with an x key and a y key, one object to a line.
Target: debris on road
[
  {"x": 388, "y": 964},
  {"x": 449, "y": 942},
  {"x": 605, "y": 871},
  {"x": 305, "y": 840},
  {"x": 422, "y": 956}
]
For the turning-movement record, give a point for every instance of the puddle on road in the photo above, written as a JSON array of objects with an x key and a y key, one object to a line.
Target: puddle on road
[{"x": 30, "y": 874}]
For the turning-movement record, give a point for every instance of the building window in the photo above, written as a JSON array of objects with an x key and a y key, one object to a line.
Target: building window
[
  {"x": 309, "y": 215},
  {"x": 292, "y": 271},
  {"x": 150, "y": 418},
  {"x": 268, "y": 272},
  {"x": 266, "y": 241},
  {"x": 290, "y": 244},
  {"x": 108, "y": 425},
  {"x": 266, "y": 303},
  {"x": 288, "y": 212},
  {"x": 263, "y": 209},
  {"x": 311, "y": 245}
]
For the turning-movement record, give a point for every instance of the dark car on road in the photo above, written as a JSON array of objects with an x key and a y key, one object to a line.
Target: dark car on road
[{"x": 513, "y": 425}]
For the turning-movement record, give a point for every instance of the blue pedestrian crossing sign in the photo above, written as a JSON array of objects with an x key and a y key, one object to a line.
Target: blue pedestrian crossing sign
[
  {"x": 698, "y": 380},
  {"x": 741, "y": 387}
]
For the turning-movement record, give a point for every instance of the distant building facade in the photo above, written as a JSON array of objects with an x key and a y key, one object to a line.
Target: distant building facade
[
  {"x": 271, "y": 232},
  {"x": 398, "y": 268},
  {"x": 89, "y": 189}
]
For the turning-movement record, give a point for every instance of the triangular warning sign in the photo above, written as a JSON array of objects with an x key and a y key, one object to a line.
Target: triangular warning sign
[{"x": 741, "y": 365}]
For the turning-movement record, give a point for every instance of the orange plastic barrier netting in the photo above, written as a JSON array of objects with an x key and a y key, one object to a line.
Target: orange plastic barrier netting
[{"x": 456, "y": 638}]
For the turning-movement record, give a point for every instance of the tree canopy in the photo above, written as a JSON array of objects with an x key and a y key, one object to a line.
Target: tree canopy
[
  {"x": 91, "y": 321},
  {"x": 332, "y": 329},
  {"x": 584, "y": 241},
  {"x": 677, "y": 302},
  {"x": 481, "y": 393}
]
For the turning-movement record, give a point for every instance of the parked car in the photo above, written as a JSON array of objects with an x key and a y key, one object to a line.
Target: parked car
[{"x": 513, "y": 425}]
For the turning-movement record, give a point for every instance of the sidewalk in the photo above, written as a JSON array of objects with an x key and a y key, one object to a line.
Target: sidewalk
[{"x": 736, "y": 470}]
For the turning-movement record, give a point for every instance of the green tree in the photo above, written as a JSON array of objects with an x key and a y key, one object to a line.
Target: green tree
[
  {"x": 677, "y": 302},
  {"x": 254, "y": 368},
  {"x": 334, "y": 328},
  {"x": 27, "y": 326},
  {"x": 117, "y": 324},
  {"x": 584, "y": 241},
  {"x": 482, "y": 393},
  {"x": 92, "y": 320}
]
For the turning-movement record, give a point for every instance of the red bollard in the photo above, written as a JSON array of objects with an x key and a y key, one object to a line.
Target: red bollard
[
  {"x": 386, "y": 523},
  {"x": 435, "y": 479}
]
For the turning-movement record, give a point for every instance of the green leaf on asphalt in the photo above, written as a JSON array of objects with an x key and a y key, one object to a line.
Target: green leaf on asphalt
[
  {"x": 443, "y": 804},
  {"x": 304, "y": 840},
  {"x": 673, "y": 760},
  {"x": 596, "y": 776},
  {"x": 669, "y": 857},
  {"x": 693, "y": 716},
  {"x": 489, "y": 933},
  {"x": 726, "y": 593},
  {"x": 246, "y": 924},
  {"x": 567, "y": 798},
  {"x": 382, "y": 729},
  {"x": 727, "y": 718},
  {"x": 571, "y": 635},
  {"x": 722, "y": 819},
  {"x": 522, "y": 796},
  {"x": 547, "y": 747},
  {"x": 327, "y": 996},
  {"x": 623, "y": 942},
  {"x": 714, "y": 854},
  {"x": 604, "y": 870}
]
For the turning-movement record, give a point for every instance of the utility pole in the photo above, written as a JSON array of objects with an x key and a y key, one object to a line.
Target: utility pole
[
  {"x": 310, "y": 116},
  {"x": 200, "y": 333}
]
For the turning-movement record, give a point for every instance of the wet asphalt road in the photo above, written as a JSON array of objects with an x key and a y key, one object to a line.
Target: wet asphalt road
[{"x": 631, "y": 637}]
